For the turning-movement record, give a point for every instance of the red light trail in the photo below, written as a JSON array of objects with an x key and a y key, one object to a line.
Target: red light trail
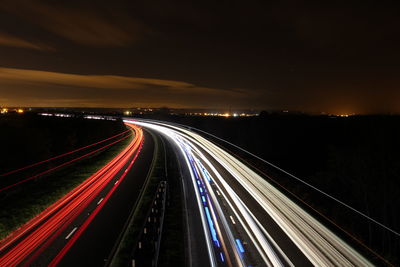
[{"x": 26, "y": 243}]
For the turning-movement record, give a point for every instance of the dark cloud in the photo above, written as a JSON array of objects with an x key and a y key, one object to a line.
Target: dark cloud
[
  {"x": 337, "y": 56},
  {"x": 13, "y": 41},
  {"x": 81, "y": 25}
]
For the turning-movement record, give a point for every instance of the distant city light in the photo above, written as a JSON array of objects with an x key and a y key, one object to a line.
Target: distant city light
[
  {"x": 345, "y": 115},
  {"x": 90, "y": 117},
  {"x": 20, "y": 110},
  {"x": 226, "y": 114}
]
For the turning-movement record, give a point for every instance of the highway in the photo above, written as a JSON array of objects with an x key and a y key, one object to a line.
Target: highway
[
  {"x": 245, "y": 220},
  {"x": 80, "y": 221},
  {"x": 234, "y": 216}
]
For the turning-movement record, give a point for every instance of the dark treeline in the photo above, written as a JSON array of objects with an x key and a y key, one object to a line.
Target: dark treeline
[
  {"x": 355, "y": 159},
  {"x": 29, "y": 138}
]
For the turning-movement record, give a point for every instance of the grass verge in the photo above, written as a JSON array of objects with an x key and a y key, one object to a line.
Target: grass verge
[{"x": 128, "y": 241}]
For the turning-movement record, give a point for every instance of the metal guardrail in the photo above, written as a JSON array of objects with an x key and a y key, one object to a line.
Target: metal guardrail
[{"x": 147, "y": 248}]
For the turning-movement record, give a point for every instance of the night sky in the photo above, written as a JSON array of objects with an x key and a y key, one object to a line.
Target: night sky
[{"x": 313, "y": 56}]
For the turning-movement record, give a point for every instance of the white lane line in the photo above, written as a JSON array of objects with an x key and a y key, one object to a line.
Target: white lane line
[
  {"x": 70, "y": 234},
  {"x": 217, "y": 192},
  {"x": 116, "y": 182},
  {"x": 100, "y": 201},
  {"x": 233, "y": 221}
]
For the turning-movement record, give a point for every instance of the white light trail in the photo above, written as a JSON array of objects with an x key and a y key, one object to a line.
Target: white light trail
[{"x": 319, "y": 245}]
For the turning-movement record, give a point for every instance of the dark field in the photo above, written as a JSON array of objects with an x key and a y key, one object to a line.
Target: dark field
[{"x": 28, "y": 138}]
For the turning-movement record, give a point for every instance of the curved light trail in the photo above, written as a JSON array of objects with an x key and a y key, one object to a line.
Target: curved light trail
[
  {"x": 234, "y": 202},
  {"x": 24, "y": 245}
]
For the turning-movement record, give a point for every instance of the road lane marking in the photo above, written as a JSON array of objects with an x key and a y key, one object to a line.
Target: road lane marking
[
  {"x": 116, "y": 182},
  {"x": 233, "y": 221},
  {"x": 100, "y": 201},
  {"x": 70, "y": 234}
]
